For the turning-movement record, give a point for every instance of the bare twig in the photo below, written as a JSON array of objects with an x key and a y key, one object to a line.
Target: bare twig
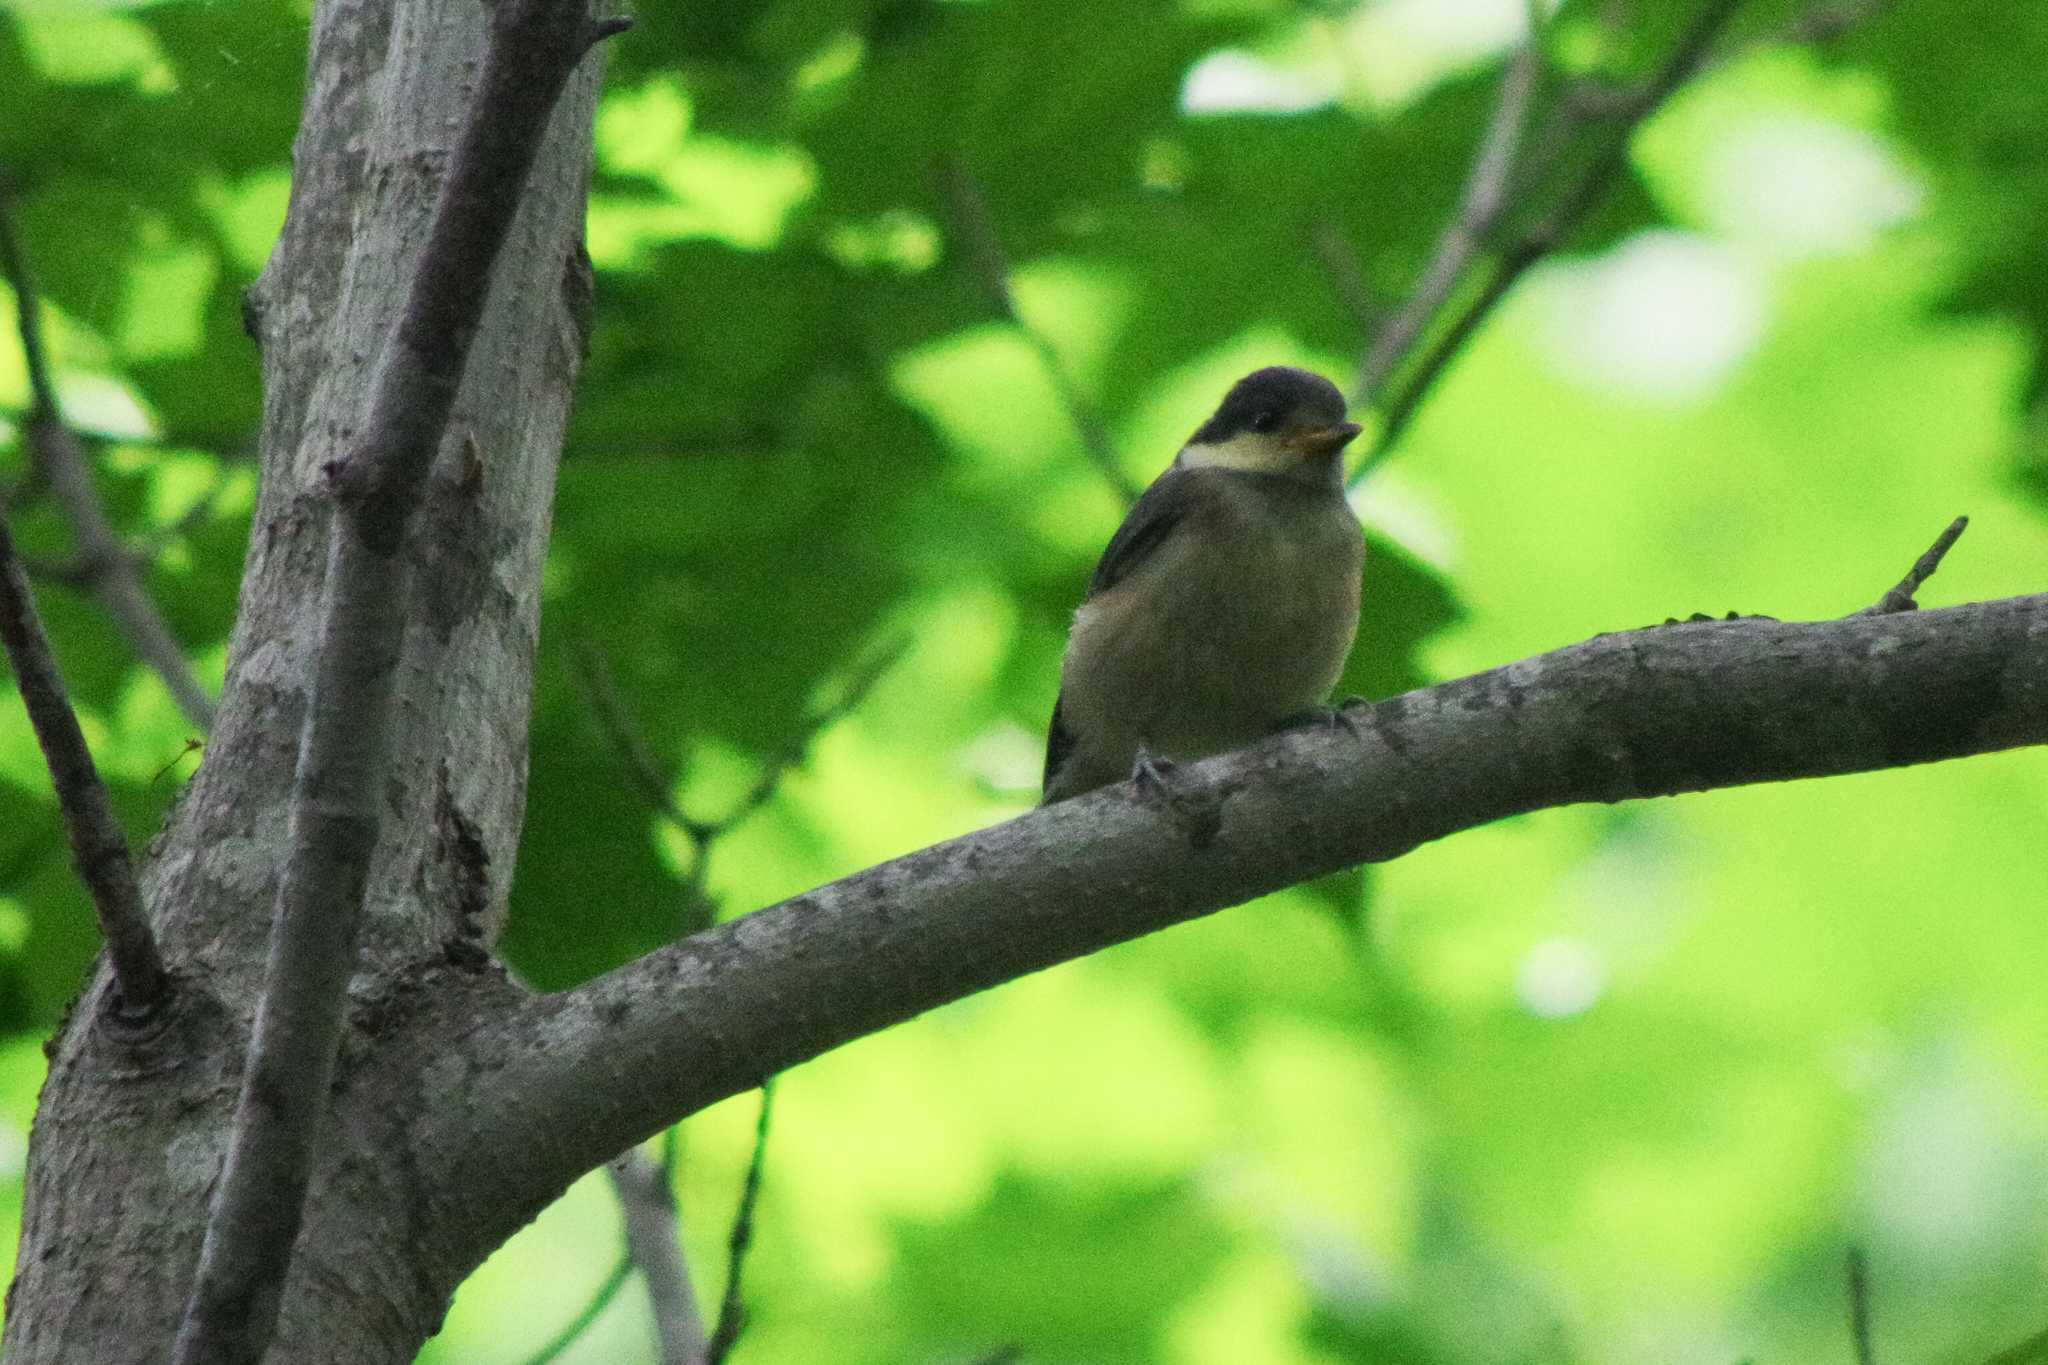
[
  {"x": 732, "y": 1310},
  {"x": 983, "y": 250},
  {"x": 106, "y": 564},
  {"x": 1480, "y": 208},
  {"x": 337, "y": 789},
  {"x": 1548, "y": 233},
  {"x": 1584, "y": 101},
  {"x": 1900, "y": 598},
  {"x": 1859, "y": 1307},
  {"x": 98, "y": 850}
]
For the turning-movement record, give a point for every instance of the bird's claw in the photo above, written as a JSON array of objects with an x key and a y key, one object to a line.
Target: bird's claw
[
  {"x": 1151, "y": 773},
  {"x": 1344, "y": 716}
]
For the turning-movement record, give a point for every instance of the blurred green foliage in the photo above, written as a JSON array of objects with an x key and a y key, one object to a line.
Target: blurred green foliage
[{"x": 1592, "y": 1086}]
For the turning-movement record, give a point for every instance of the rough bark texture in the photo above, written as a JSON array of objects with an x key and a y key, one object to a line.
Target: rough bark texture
[
  {"x": 130, "y": 1137},
  {"x": 1622, "y": 717}
]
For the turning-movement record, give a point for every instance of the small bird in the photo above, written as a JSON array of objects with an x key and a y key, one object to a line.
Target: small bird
[{"x": 1226, "y": 603}]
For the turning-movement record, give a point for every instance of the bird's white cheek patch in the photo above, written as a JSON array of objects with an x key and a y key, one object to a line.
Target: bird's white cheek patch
[{"x": 1250, "y": 450}]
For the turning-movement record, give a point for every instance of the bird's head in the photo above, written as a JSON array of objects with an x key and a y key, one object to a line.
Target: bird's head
[{"x": 1275, "y": 421}]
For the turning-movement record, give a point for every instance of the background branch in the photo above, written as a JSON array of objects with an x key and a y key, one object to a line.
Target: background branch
[
  {"x": 338, "y": 784},
  {"x": 98, "y": 850},
  {"x": 1480, "y": 208},
  {"x": 103, "y": 563},
  {"x": 646, "y": 1194},
  {"x": 1623, "y": 716},
  {"x": 1505, "y": 174},
  {"x": 1549, "y": 232}
]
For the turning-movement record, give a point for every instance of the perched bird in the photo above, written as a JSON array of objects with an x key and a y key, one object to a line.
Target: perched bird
[{"x": 1226, "y": 602}]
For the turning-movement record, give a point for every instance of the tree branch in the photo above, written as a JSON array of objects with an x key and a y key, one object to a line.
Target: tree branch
[
  {"x": 98, "y": 850},
  {"x": 1480, "y": 208},
  {"x": 338, "y": 786},
  {"x": 1500, "y": 176},
  {"x": 1551, "y": 231},
  {"x": 1900, "y": 598},
  {"x": 106, "y": 565},
  {"x": 1624, "y": 716}
]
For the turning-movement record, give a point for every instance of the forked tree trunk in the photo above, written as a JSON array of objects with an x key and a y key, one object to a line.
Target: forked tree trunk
[{"x": 130, "y": 1132}]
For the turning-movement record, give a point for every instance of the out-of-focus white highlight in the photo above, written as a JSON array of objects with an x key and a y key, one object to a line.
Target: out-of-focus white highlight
[
  {"x": 1797, "y": 186},
  {"x": 1233, "y": 81},
  {"x": 1560, "y": 977},
  {"x": 1664, "y": 315}
]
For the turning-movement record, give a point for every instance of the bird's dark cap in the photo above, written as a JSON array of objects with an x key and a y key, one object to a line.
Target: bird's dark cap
[{"x": 1277, "y": 395}]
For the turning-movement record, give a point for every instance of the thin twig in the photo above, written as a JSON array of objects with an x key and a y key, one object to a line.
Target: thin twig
[
  {"x": 98, "y": 850},
  {"x": 732, "y": 1310},
  {"x": 983, "y": 250},
  {"x": 1480, "y": 208},
  {"x": 337, "y": 786},
  {"x": 1546, "y": 235},
  {"x": 657, "y": 785},
  {"x": 1900, "y": 598},
  {"x": 59, "y": 458},
  {"x": 607, "y": 1290},
  {"x": 1859, "y": 1307}
]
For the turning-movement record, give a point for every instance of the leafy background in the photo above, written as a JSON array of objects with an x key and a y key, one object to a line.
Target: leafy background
[{"x": 1597, "y": 1085}]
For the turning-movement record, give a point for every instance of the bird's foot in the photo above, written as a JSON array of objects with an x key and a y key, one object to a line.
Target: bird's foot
[
  {"x": 1198, "y": 813},
  {"x": 1151, "y": 772},
  {"x": 1343, "y": 716}
]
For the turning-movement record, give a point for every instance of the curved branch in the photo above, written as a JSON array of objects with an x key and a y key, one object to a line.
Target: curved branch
[{"x": 1654, "y": 712}]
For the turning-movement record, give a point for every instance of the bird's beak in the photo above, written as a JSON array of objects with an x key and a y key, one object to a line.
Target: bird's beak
[{"x": 1323, "y": 440}]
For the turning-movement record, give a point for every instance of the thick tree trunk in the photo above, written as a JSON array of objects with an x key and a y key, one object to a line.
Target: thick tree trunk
[{"x": 130, "y": 1134}]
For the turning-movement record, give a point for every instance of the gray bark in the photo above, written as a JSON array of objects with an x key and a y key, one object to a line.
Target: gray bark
[
  {"x": 461, "y": 1104},
  {"x": 130, "y": 1136}
]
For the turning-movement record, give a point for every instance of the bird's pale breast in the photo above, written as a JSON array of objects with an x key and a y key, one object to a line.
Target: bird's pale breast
[{"x": 1234, "y": 626}]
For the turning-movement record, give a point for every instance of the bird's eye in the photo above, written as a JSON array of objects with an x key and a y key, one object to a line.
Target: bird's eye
[{"x": 1265, "y": 421}]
